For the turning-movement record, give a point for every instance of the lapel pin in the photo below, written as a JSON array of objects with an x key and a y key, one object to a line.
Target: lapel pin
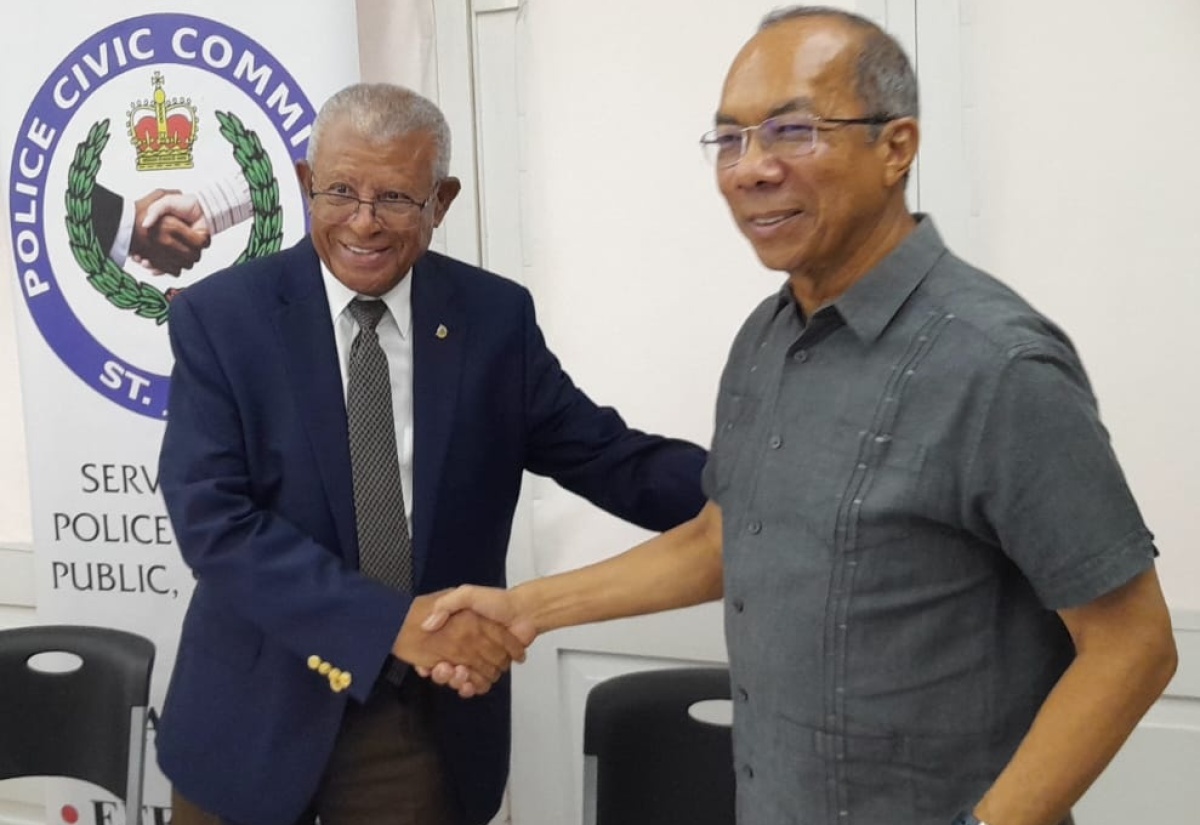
[{"x": 442, "y": 332}]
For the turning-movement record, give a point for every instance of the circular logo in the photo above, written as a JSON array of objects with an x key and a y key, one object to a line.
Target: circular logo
[{"x": 150, "y": 157}]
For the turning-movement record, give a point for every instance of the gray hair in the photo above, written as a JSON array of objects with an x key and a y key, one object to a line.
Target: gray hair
[
  {"x": 384, "y": 111},
  {"x": 884, "y": 77}
]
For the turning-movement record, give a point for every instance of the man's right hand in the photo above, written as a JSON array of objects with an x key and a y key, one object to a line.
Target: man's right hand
[
  {"x": 484, "y": 649},
  {"x": 490, "y": 603},
  {"x": 169, "y": 231},
  {"x": 679, "y": 568}
]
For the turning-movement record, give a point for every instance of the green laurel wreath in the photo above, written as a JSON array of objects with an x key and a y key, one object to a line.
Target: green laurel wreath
[
  {"x": 120, "y": 288},
  {"x": 266, "y": 234}
]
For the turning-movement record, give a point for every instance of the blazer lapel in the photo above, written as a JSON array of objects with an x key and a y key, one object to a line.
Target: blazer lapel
[
  {"x": 439, "y": 333},
  {"x": 310, "y": 356}
]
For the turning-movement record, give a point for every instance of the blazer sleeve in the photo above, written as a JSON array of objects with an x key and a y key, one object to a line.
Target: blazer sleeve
[
  {"x": 252, "y": 560},
  {"x": 106, "y": 216},
  {"x": 646, "y": 479}
]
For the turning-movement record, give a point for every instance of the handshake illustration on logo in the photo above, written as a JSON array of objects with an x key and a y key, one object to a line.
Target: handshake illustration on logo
[{"x": 167, "y": 230}]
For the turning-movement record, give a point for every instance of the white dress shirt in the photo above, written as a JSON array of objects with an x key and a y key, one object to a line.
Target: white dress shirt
[{"x": 395, "y": 337}]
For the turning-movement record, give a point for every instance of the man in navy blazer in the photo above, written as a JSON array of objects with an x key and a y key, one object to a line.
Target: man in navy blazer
[{"x": 277, "y": 712}]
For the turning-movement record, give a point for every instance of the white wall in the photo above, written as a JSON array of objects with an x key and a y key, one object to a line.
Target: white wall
[
  {"x": 15, "y": 524},
  {"x": 1087, "y": 118},
  {"x": 640, "y": 279}
]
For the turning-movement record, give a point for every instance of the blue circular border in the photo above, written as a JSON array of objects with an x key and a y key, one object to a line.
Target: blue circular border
[{"x": 62, "y": 330}]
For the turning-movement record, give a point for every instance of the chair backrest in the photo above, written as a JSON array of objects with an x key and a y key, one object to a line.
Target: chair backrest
[
  {"x": 647, "y": 760},
  {"x": 84, "y": 723}
]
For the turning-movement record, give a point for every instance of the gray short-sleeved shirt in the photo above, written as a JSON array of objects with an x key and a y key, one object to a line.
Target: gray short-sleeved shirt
[{"x": 911, "y": 483}]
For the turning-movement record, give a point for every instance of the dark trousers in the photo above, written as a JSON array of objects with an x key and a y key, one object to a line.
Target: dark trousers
[{"x": 384, "y": 769}]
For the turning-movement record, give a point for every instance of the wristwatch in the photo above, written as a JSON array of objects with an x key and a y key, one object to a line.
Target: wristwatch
[{"x": 967, "y": 818}]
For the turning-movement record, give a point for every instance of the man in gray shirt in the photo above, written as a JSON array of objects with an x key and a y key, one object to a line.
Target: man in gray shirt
[{"x": 940, "y": 594}]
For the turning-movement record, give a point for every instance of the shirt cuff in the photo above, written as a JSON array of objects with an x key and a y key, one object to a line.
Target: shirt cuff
[{"x": 119, "y": 253}]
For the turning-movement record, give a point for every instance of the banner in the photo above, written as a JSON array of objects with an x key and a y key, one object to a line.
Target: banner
[{"x": 130, "y": 129}]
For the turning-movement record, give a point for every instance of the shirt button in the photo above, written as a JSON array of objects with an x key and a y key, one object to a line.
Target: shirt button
[
  {"x": 800, "y": 356},
  {"x": 776, "y": 442},
  {"x": 754, "y": 528},
  {"x": 743, "y": 695},
  {"x": 738, "y": 605}
]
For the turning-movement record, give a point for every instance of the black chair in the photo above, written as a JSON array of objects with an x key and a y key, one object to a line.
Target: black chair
[
  {"x": 647, "y": 761},
  {"x": 88, "y": 723}
]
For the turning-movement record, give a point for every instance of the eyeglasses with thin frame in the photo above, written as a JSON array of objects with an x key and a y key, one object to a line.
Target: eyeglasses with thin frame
[
  {"x": 340, "y": 203},
  {"x": 790, "y": 135}
]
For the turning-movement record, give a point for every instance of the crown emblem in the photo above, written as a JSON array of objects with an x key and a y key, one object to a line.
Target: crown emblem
[{"x": 162, "y": 131}]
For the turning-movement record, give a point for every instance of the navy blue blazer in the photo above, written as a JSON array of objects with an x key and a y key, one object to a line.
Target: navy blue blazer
[{"x": 255, "y": 471}]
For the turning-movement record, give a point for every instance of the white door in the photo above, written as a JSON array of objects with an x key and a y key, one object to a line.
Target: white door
[
  {"x": 587, "y": 116},
  {"x": 593, "y": 193}
]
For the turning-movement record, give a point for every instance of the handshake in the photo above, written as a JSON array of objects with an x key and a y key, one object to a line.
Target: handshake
[
  {"x": 465, "y": 638},
  {"x": 170, "y": 231}
]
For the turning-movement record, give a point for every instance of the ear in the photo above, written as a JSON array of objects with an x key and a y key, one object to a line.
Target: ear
[
  {"x": 304, "y": 174},
  {"x": 448, "y": 190},
  {"x": 898, "y": 142}
]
